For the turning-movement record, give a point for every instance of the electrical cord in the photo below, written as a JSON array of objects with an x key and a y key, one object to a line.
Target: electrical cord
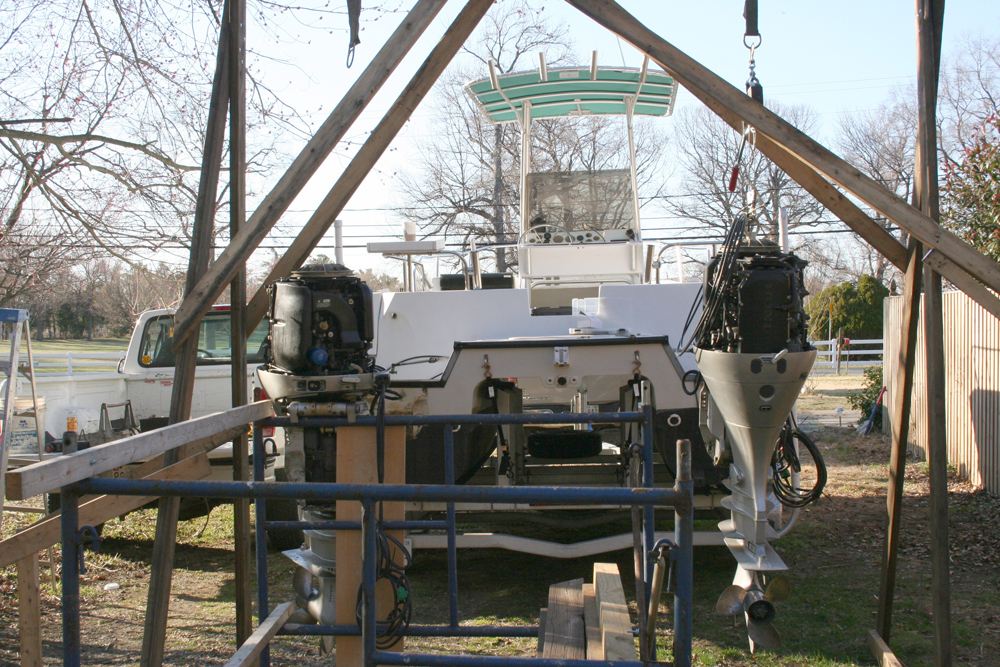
[
  {"x": 786, "y": 460},
  {"x": 398, "y": 619}
]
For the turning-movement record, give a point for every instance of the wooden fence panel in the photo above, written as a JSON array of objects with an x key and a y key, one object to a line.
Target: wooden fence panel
[{"x": 972, "y": 391}]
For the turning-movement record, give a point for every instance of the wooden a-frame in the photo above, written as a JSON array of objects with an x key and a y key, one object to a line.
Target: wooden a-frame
[{"x": 813, "y": 166}]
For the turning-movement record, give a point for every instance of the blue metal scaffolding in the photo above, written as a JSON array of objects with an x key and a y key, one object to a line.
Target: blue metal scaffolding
[{"x": 647, "y": 497}]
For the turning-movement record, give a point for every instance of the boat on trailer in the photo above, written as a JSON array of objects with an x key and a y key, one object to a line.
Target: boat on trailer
[{"x": 583, "y": 325}]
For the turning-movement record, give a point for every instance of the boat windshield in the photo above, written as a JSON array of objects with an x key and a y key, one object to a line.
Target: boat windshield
[{"x": 582, "y": 200}]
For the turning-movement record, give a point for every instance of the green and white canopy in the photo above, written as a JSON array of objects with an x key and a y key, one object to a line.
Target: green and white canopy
[{"x": 574, "y": 91}]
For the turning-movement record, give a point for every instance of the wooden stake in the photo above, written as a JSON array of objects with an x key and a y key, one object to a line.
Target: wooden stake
[
  {"x": 379, "y": 140},
  {"x": 29, "y": 611},
  {"x": 707, "y": 86},
  {"x": 154, "y": 634},
  {"x": 902, "y": 398},
  {"x": 203, "y": 295}
]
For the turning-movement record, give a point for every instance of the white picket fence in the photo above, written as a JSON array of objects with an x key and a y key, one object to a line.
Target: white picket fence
[
  {"x": 860, "y": 353},
  {"x": 70, "y": 363}
]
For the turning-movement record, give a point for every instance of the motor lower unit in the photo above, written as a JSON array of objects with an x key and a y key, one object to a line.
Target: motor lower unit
[{"x": 754, "y": 357}]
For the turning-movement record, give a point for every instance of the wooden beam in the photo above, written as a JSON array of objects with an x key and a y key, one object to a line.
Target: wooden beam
[
  {"x": 242, "y": 571},
  {"x": 963, "y": 281},
  {"x": 29, "y": 611},
  {"x": 592, "y": 624},
  {"x": 859, "y": 222},
  {"x": 902, "y": 395},
  {"x": 51, "y": 474},
  {"x": 378, "y": 141},
  {"x": 357, "y": 464},
  {"x": 565, "y": 636},
  {"x": 883, "y": 654},
  {"x": 616, "y": 627},
  {"x": 198, "y": 300},
  {"x": 46, "y": 532},
  {"x": 251, "y": 649},
  {"x": 707, "y": 86},
  {"x": 929, "y": 16},
  {"x": 543, "y": 615}
]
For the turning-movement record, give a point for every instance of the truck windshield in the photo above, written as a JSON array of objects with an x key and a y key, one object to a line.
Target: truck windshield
[{"x": 156, "y": 351}]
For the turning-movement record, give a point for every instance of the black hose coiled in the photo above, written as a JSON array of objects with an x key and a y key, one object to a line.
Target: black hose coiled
[{"x": 785, "y": 460}]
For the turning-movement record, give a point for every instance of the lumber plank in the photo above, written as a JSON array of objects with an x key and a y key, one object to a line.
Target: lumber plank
[
  {"x": 357, "y": 464},
  {"x": 543, "y": 614},
  {"x": 29, "y": 611},
  {"x": 708, "y": 86},
  {"x": 210, "y": 286},
  {"x": 963, "y": 281},
  {"x": 252, "y": 647},
  {"x": 242, "y": 571},
  {"x": 857, "y": 220},
  {"x": 369, "y": 153},
  {"x": 883, "y": 654},
  {"x": 900, "y": 416},
  {"x": 592, "y": 624},
  {"x": 564, "y": 629},
  {"x": 43, "y": 534},
  {"x": 51, "y": 474},
  {"x": 617, "y": 640}
]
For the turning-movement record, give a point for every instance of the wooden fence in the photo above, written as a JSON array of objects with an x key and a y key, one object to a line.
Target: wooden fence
[{"x": 972, "y": 385}]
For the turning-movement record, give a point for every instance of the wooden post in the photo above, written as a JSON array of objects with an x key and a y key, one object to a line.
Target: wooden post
[
  {"x": 208, "y": 289},
  {"x": 29, "y": 611},
  {"x": 357, "y": 464},
  {"x": 161, "y": 569},
  {"x": 709, "y": 87},
  {"x": 929, "y": 18},
  {"x": 901, "y": 404},
  {"x": 378, "y": 141},
  {"x": 840, "y": 346},
  {"x": 242, "y": 573}
]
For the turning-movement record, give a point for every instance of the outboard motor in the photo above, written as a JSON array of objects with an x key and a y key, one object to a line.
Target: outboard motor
[
  {"x": 317, "y": 365},
  {"x": 321, "y": 329},
  {"x": 754, "y": 357}
]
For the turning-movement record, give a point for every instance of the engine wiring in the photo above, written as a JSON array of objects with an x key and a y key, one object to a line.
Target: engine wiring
[
  {"x": 712, "y": 298},
  {"x": 786, "y": 461}
]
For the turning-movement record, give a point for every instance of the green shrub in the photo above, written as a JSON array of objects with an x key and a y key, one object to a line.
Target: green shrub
[{"x": 865, "y": 399}]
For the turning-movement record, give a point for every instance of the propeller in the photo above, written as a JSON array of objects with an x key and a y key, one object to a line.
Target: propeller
[{"x": 757, "y": 607}]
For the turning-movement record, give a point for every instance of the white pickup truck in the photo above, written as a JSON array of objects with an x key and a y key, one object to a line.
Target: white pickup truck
[{"x": 144, "y": 382}]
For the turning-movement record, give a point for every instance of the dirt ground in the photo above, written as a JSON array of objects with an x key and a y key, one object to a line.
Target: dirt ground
[{"x": 833, "y": 555}]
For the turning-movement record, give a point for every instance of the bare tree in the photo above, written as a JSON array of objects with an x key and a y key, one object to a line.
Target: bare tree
[
  {"x": 102, "y": 110},
  {"x": 969, "y": 95},
  {"x": 708, "y": 149}
]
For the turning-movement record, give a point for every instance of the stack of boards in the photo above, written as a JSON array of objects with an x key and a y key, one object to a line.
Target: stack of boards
[{"x": 587, "y": 621}]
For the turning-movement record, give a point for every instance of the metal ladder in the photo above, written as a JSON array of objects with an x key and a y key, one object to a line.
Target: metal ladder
[{"x": 12, "y": 366}]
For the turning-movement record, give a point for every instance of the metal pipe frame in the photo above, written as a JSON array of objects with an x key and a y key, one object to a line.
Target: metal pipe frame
[{"x": 680, "y": 497}]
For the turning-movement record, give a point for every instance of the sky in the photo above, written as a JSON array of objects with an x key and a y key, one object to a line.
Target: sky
[{"x": 834, "y": 57}]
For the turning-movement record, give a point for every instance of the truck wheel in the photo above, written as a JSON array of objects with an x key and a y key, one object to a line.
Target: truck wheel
[
  {"x": 278, "y": 509},
  {"x": 55, "y": 504}
]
